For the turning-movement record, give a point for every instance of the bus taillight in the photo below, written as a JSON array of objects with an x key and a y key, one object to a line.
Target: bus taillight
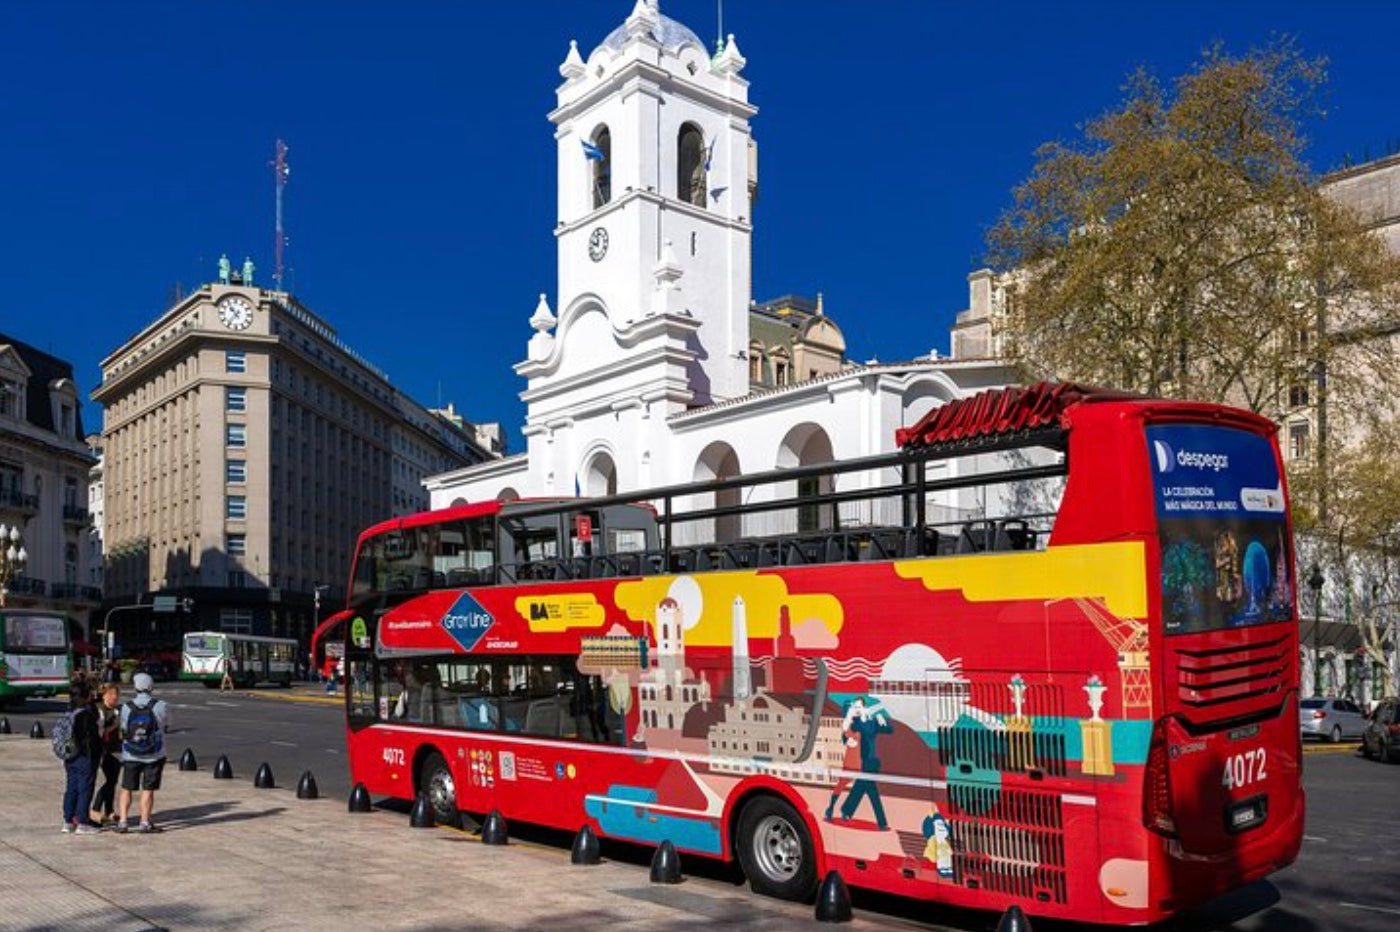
[{"x": 1157, "y": 785}]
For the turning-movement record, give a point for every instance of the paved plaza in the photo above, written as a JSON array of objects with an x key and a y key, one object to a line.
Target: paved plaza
[{"x": 233, "y": 857}]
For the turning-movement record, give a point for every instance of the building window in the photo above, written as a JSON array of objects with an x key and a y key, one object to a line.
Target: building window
[
  {"x": 237, "y": 471},
  {"x": 235, "y": 361},
  {"x": 236, "y": 545},
  {"x": 599, "y": 154},
  {"x": 1298, "y": 441},
  {"x": 237, "y": 435},
  {"x": 691, "y": 165},
  {"x": 236, "y": 507},
  {"x": 780, "y": 371},
  {"x": 236, "y": 399},
  {"x": 1298, "y": 394},
  {"x": 236, "y": 620}
]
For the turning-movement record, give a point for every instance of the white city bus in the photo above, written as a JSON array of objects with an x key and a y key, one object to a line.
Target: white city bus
[
  {"x": 248, "y": 659},
  {"x": 35, "y": 657}
]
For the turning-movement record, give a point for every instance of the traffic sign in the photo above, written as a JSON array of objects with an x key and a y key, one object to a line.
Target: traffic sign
[{"x": 163, "y": 604}]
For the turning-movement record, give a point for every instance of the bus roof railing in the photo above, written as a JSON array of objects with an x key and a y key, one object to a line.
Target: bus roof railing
[{"x": 1051, "y": 438}]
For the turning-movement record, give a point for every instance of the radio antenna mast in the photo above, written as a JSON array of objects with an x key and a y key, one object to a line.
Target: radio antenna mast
[{"x": 280, "y": 171}]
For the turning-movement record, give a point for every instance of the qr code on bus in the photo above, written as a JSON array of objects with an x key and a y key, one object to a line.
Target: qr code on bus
[{"x": 507, "y": 765}]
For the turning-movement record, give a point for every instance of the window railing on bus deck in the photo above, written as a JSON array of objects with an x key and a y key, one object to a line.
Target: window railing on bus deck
[{"x": 879, "y": 508}]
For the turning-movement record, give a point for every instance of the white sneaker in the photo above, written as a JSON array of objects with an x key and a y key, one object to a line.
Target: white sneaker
[
  {"x": 68, "y": 828},
  {"x": 86, "y": 829}
]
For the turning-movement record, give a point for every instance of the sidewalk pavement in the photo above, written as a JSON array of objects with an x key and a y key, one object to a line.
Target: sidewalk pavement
[{"x": 232, "y": 857}]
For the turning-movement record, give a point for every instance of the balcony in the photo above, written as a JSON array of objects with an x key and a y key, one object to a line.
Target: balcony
[
  {"x": 75, "y": 593},
  {"x": 28, "y": 585},
  {"x": 15, "y": 500},
  {"x": 75, "y": 514}
]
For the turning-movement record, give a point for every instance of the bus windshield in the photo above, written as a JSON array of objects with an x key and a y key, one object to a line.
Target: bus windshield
[
  {"x": 204, "y": 644},
  {"x": 410, "y": 560},
  {"x": 37, "y": 634}
]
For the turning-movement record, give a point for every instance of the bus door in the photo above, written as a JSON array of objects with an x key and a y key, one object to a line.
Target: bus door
[{"x": 1002, "y": 745}]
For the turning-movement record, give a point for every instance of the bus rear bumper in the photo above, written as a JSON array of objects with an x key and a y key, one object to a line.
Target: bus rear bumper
[{"x": 1192, "y": 879}]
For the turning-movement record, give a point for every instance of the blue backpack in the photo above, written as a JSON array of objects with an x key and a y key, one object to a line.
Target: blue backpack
[{"x": 141, "y": 734}]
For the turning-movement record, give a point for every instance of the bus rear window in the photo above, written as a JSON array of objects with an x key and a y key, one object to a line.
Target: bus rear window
[
  {"x": 34, "y": 632},
  {"x": 1226, "y": 556}
]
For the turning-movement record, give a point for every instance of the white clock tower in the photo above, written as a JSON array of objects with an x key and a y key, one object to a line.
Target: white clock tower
[{"x": 656, "y": 175}]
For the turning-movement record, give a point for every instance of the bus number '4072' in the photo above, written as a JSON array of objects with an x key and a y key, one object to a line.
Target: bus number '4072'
[
  {"x": 1244, "y": 769},
  {"x": 393, "y": 756}
]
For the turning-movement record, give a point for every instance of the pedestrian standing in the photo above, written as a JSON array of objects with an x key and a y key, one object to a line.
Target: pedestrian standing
[
  {"x": 109, "y": 714},
  {"x": 81, "y": 769},
  {"x": 144, "y": 722}
]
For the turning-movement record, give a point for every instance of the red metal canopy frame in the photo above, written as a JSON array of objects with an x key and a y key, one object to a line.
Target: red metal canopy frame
[{"x": 1000, "y": 411}]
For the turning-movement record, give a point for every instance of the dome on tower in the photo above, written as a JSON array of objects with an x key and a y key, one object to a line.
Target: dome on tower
[{"x": 671, "y": 35}]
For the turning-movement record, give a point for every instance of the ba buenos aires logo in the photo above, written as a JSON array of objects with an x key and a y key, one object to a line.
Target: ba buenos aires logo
[{"x": 466, "y": 621}]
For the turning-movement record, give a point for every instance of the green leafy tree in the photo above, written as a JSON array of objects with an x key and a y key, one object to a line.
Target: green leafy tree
[{"x": 1182, "y": 248}]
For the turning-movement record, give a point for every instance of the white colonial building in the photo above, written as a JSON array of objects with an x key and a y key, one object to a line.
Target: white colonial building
[{"x": 644, "y": 375}]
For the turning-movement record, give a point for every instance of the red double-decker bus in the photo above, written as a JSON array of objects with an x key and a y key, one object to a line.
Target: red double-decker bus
[{"x": 1045, "y": 654}]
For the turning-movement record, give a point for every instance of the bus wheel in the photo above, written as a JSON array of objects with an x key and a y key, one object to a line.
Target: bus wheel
[
  {"x": 775, "y": 850},
  {"x": 435, "y": 779}
]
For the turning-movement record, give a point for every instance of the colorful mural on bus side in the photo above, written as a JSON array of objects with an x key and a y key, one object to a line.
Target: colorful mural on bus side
[{"x": 906, "y": 704}]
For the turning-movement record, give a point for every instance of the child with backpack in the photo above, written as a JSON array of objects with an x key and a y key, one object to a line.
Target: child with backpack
[
  {"x": 78, "y": 743},
  {"x": 144, "y": 722}
]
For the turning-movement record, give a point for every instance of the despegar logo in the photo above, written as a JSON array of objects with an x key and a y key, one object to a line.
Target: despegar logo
[{"x": 1212, "y": 461}]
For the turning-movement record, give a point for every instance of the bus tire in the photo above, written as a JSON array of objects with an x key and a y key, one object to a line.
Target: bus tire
[
  {"x": 435, "y": 779},
  {"x": 775, "y": 850}
]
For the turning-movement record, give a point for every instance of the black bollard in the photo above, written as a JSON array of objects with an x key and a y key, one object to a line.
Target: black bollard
[
  {"x": 422, "y": 814},
  {"x": 306, "y": 787},
  {"x": 37, "y": 731},
  {"x": 4, "y": 725},
  {"x": 187, "y": 760},
  {"x": 1014, "y": 920},
  {"x": 263, "y": 780},
  {"x": 493, "y": 831},
  {"x": 833, "y": 899},
  {"x": 666, "y": 864},
  {"x": 585, "y": 850},
  {"x": 223, "y": 770},
  {"x": 359, "y": 799}
]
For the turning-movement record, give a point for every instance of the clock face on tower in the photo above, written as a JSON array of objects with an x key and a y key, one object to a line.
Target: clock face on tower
[
  {"x": 236, "y": 312},
  {"x": 598, "y": 244}
]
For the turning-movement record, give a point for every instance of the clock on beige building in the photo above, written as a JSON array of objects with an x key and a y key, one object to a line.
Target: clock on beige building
[{"x": 235, "y": 311}]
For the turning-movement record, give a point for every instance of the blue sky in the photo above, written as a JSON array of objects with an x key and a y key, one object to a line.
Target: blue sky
[{"x": 135, "y": 137}]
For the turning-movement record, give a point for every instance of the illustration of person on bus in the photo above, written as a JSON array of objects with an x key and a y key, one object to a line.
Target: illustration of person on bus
[{"x": 860, "y": 728}]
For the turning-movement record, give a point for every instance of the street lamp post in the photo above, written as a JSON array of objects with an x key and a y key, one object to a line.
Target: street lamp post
[
  {"x": 315, "y": 620},
  {"x": 12, "y": 558},
  {"x": 1315, "y": 581}
]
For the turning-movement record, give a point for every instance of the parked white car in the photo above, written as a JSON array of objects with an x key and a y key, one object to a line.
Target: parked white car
[{"x": 1333, "y": 719}]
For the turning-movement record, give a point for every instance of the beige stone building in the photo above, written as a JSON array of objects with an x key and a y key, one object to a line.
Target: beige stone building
[
  {"x": 792, "y": 340},
  {"x": 245, "y": 446},
  {"x": 44, "y": 465}
]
